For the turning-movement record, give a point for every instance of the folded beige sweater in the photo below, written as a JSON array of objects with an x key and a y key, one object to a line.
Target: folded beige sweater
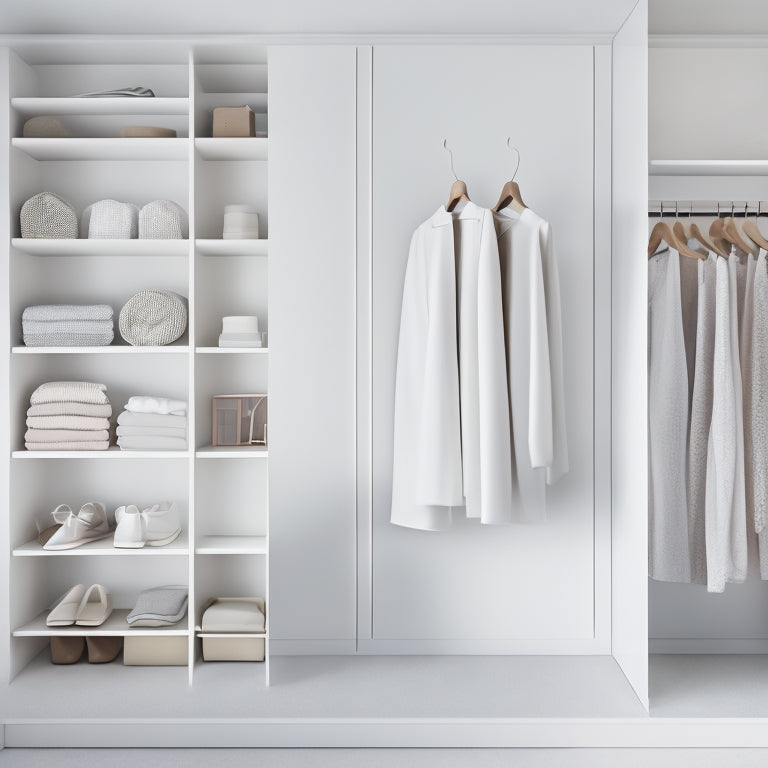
[
  {"x": 65, "y": 435},
  {"x": 70, "y": 391},
  {"x": 70, "y": 409},
  {"x": 68, "y": 422}
]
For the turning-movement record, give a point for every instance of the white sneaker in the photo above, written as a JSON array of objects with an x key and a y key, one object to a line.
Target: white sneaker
[
  {"x": 89, "y": 524},
  {"x": 154, "y": 526}
]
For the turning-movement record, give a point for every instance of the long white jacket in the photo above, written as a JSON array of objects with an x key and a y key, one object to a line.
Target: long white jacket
[{"x": 451, "y": 432}]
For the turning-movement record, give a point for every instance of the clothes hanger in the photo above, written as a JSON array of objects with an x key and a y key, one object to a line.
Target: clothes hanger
[
  {"x": 752, "y": 231},
  {"x": 510, "y": 193},
  {"x": 728, "y": 231},
  {"x": 458, "y": 188},
  {"x": 662, "y": 231},
  {"x": 717, "y": 233},
  {"x": 692, "y": 232}
]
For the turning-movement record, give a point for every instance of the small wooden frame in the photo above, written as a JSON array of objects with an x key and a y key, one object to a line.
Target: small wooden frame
[{"x": 239, "y": 420}]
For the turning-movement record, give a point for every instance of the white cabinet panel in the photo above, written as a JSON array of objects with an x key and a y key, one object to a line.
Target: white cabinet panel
[
  {"x": 312, "y": 342},
  {"x": 476, "y": 583}
]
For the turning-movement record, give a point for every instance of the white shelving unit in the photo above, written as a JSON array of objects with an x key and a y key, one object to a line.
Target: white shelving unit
[{"x": 221, "y": 552}]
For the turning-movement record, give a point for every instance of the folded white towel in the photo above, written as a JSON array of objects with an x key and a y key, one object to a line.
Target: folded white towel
[
  {"x": 70, "y": 409},
  {"x": 99, "y": 445},
  {"x": 130, "y": 419},
  {"x": 126, "y": 431},
  {"x": 65, "y": 435},
  {"x": 149, "y": 404},
  {"x": 70, "y": 391},
  {"x": 49, "y": 312},
  {"x": 135, "y": 443},
  {"x": 68, "y": 422},
  {"x": 102, "y": 339}
]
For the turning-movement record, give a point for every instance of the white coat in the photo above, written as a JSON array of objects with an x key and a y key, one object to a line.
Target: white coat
[
  {"x": 451, "y": 433},
  {"x": 533, "y": 338}
]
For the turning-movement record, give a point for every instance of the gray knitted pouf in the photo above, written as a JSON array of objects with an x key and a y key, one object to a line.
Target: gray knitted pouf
[
  {"x": 153, "y": 318},
  {"x": 111, "y": 220},
  {"x": 162, "y": 220},
  {"x": 47, "y": 215}
]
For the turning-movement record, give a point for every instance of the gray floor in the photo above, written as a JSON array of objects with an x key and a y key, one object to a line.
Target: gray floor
[{"x": 381, "y": 758}]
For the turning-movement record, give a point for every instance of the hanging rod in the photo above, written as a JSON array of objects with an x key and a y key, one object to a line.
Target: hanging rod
[{"x": 708, "y": 208}]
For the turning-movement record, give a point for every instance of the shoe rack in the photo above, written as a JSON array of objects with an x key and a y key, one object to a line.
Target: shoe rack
[{"x": 222, "y": 493}]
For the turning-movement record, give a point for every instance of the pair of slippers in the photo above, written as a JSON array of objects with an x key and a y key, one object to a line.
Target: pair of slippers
[
  {"x": 68, "y": 649},
  {"x": 86, "y": 608}
]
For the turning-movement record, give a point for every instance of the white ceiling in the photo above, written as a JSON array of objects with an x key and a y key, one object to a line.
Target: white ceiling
[
  {"x": 708, "y": 17},
  {"x": 313, "y": 16}
]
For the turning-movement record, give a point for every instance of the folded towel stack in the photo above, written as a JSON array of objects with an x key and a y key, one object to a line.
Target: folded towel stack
[
  {"x": 68, "y": 325},
  {"x": 68, "y": 416},
  {"x": 153, "y": 424}
]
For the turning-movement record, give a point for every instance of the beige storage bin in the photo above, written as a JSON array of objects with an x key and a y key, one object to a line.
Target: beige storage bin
[
  {"x": 154, "y": 651},
  {"x": 219, "y": 629}
]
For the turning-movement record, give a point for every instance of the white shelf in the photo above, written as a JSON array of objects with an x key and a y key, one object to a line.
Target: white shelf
[
  {"x": 232, "y": 452},
  {"x": 105, "y": 547},
  {"x": 115, "y": 625},
  {"x": 708, "y": 167},
  {"x": 113, "y": 349},
  {"x": 113, "y": 452},
  {"x": 126, "y": 105},
  {"x": 252, "y": 247},
  {"x": 232, "y": 350},
  {"x": 246, "y": 148},
  {"x": 232, "y": 545},
  {"x": 101, "y": 248},
  {"x": 104, "y": 149}
]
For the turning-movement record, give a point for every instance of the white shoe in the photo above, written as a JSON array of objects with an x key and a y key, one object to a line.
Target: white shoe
[
  {"x": 154, "y": 526},
  {"x": 89, "y": 524},
  {"x": 65, "y": 611},
  {"x": 95, "y": 607}
]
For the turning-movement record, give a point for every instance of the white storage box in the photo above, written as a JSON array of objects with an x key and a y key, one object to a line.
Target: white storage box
[
  {"x": 154, "y": 651},
  {"x": 233, "y": 629}
]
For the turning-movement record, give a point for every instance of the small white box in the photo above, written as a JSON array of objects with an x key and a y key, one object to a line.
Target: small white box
[{"x": 233, "y": 629}]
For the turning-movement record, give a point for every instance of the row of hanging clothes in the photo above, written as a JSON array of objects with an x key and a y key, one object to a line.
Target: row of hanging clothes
[
  {"x": 479, "y": 419},
  {"x": 708, "y": 396}
]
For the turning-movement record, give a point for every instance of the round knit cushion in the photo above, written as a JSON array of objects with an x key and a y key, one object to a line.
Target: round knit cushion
[
  {"x": 153, "y": 318},
  {"x": 163, "y": 220},
  {"x": 47, "y": 215}
]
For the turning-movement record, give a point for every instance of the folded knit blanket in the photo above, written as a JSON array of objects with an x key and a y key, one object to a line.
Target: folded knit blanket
[
  {"x": 151, "y": 432},
  {"x": 68, "y": 422},
  {"x": 148, "y": 443},
  {"x": 160, "y": 605},
  {"x": 132, "y": 419},
  {"x": 162, "y": 405},
  {"x": 100, "y": 445},
  {"x": 65, "y": 435},
  {"x": 70, "y": 409},
  {"x": 69, "y": 338},
  {"x": 51, "y": 312},
  {"x": 70, "y": 391}
]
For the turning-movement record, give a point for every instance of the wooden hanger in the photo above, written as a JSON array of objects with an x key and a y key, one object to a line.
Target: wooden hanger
[
  {"x": 752, "y": 231},
  {"x": 458, "y": 188},
  {"x": 725, "y": 228},
  {"x": 692, "y": 232},
  {"x": 663, "y": 232},
  {"x": 510, "y": 196}
]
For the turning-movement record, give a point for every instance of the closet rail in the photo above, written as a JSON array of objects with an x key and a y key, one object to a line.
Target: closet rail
[{"x": 690, "y": 208}]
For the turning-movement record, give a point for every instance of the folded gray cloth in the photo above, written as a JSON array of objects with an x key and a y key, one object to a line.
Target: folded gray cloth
[
  {"x": 93, "y": 445},
  {"x": 70, "y": 409},
  {"x": 65, "y": 435},
  {"x": 49, "y": 312},
  {"x": 103, "y": 339},
  {"x": 68, "y": 422},
  {"x": 127, "y": 431},
  {"x": 131, "y": 419},
  {"x": 160, "y": 605},
  {"x": 149, "y": 443},
  {"x": 70, "y": 392}
]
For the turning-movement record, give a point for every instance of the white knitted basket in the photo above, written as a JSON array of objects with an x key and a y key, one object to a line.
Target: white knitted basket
[
  {"x": 47, "y": 215},
  {"x": 153, "y": 318},
  {"x": 162, "y": 220},
  {"x": 111, "y": 220}
]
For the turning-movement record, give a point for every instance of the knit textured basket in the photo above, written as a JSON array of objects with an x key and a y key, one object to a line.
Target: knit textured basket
[
  {"x": 47, "y": 215},
  {"x": 162, "y": 220},
  {"x": 111, "y": 220},
  {"x": 153, "y": 318}
]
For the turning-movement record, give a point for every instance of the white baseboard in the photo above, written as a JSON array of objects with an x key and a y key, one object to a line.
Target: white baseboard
[
  {"x": 501, "y": 647},
  {"x": 707, "y": 645}
]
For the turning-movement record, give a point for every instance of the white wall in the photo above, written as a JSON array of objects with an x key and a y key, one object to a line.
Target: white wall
[{"x": 476, "y": 587}]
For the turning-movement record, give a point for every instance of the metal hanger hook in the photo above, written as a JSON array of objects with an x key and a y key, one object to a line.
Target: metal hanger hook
[
  {"x": 445, "y": 147},
  {"x": 517, "y": 151}
]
